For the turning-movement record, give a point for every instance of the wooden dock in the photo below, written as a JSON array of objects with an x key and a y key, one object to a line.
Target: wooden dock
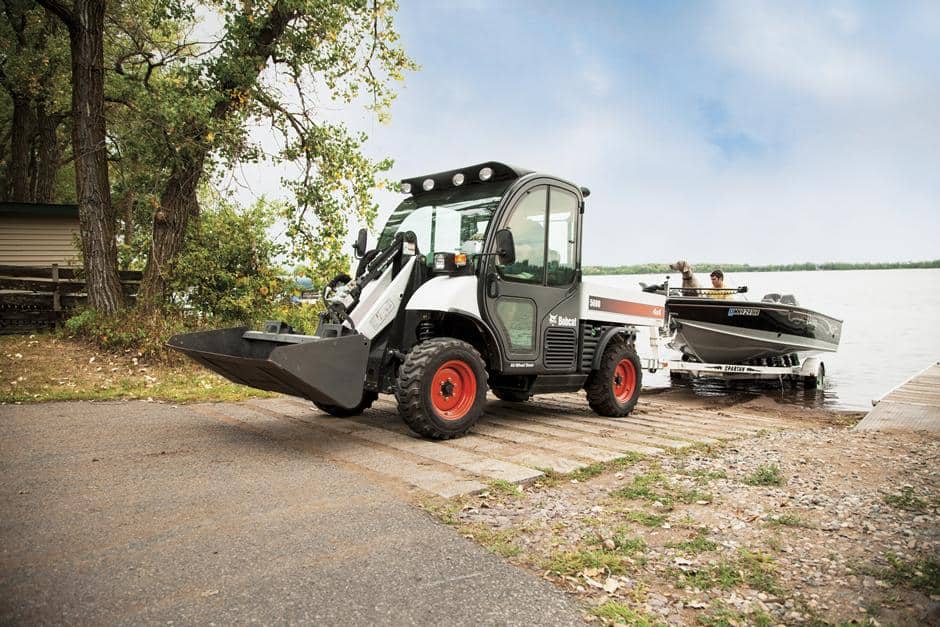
[{"x": 912, "y": 406}]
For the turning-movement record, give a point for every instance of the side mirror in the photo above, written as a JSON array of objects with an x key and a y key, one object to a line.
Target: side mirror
[
  {"x": 361, "y": 242},
  {"x": 505, "y": 247}
]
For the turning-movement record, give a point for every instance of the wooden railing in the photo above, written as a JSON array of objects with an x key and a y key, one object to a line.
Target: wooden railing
[{"x": 34, "y": 298}]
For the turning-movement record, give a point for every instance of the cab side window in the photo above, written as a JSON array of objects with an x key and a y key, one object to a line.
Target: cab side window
[
  {"x": 527, "y": 224},
  {"x": 562, "y": 237}
]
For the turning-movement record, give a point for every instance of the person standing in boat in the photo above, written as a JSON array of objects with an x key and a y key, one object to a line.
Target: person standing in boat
[{"x": 718, "y": 283}]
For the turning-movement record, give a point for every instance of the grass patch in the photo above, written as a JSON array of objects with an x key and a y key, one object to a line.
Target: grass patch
[
  {"x": 445, "y": 510},
  {"x": 699, "y": 544},
  {"x": 726, "y": 617},
  {"x": 644, "y": 518},
  {"x": 693, "y": 496},
  {"x": 655, "y": 487},
  {"x": 747, "y": 568},
  {"x": 920, "y": 574},
  {"x": 505, "y": 488},
  {"x": 43, "y": 367},
  {"x": 552, "y": 478},
  {"x": 573, "y": 562},
  {"x": 644, "y": 487},
  {"x": 501, "y": 542},
  {"x": 627, "y": 544},
  {"x": 774, "y": 543},
  {"x": 587, "y": 472},
  {"x": 620, "y": 613},
  {"x": 765, "y": 476},
  {"x": 789, "y": 520},
  {"x": 704, "y": 476},
  {"x": 699, "y": 449},
  {"x": 906, "y": 500}
]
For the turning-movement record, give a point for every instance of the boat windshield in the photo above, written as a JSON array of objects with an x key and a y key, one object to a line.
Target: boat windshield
[{"x": 444, "y": 220}]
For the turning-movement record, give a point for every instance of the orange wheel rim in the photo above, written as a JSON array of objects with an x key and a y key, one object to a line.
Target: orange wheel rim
[
  {"x": 624, "y": 380},
  {"x": 453, "y": 390}
]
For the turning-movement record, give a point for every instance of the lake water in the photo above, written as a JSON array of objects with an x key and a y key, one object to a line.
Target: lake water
[{"x": 891, "y": 327}]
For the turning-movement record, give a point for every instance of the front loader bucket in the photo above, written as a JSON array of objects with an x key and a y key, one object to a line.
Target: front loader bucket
[{"x": 327, "y": 370}]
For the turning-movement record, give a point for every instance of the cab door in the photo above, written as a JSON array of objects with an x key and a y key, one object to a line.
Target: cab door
[{"x": 526, "y": 298}]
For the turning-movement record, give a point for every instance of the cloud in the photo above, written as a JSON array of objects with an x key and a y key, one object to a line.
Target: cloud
[
  {"x": 756, "y": 132},
  {"x": 813, "y": 50}
]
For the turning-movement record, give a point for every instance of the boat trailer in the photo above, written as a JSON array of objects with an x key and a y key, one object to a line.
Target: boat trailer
[{"x": 811, "y": 372}]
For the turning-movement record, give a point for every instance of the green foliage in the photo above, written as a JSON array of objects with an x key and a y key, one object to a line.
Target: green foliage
[
  {"x": 699, "y": 544},
  {"x": 907, "y": 500},
  {"x": 143, "y": 333},
  {"x": 789, "y": 520},
  {"x": 573, "y": 562},
  {"x": 228, "y": 268},
  {"x": 619, "y": 613},
  {"x": 645, "y": 518},
  {"x": 765, "y": 476},
  {"x": 921, "y": 574},
  {"x": 748, "y": 568}
]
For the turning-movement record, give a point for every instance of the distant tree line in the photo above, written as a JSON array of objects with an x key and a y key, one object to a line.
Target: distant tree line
[{"x": 663, "y": 268}]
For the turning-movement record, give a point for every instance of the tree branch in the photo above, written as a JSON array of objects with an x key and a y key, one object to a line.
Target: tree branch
[{"x": 60, "y": 11}]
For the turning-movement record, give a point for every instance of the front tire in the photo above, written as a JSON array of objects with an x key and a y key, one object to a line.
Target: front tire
[
  {"x": 441, "y": 388},
  {"x": 614, "y": 388},
  {"x": 345, "y": 412}
]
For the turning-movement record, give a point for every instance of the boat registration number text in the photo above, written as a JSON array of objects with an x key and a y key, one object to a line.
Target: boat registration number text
[{"x": 743, "y": 311}]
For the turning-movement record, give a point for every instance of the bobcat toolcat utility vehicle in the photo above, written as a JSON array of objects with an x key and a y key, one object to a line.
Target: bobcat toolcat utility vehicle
[{"x": 475, "y": 284}]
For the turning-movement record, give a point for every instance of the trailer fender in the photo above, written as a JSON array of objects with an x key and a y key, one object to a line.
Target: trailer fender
[{"x": 609, "y": 335}]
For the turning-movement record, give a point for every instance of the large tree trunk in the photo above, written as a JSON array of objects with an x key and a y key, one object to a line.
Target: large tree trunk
[
  {"x": 21, "y": 134},
  {"x": 177, "y": 203},
  {"x": 96, "y": 213},
  {"x": 48, "y": 155}
]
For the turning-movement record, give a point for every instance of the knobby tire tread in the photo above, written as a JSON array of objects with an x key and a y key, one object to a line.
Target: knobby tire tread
[
  {"x": 410, "y": 379},
  {"x": 598, "y": 386}
]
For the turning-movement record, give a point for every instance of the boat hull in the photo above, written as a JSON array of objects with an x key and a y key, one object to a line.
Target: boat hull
[{"x": 737, "y": 332}]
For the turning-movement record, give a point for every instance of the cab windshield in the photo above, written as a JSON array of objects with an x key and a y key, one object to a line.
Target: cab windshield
[{"x": 444, "y": 220}]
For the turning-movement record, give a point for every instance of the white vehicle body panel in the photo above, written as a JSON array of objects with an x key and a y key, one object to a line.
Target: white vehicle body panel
[
  {"x": 380, "y": 301},
  {"x": 606, "y": 303},
  {"x": 447, "y": 293}
]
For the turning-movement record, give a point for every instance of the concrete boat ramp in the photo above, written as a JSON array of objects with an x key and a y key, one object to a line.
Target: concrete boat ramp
[
  {"x": 912, "y": 406},
  {"x": 513, "y": 442}
]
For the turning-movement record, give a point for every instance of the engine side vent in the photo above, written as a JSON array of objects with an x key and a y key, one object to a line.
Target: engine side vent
[
  {"x": 561, "y": 347},
  {"x": 590, "y": 336}
]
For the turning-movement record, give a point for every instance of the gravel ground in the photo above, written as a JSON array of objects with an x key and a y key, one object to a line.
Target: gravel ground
[{"x": 817, "y": 526}]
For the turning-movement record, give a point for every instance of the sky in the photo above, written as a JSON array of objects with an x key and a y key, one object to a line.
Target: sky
[{"x": 748, "y": 132}]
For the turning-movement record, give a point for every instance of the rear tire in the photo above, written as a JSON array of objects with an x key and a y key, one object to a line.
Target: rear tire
[
  {"x": 345, "y": 412},
  {"x": 441, "y": 388},
  {"x": 614, "y": 388},
  {"x": 513, "y": 396}
]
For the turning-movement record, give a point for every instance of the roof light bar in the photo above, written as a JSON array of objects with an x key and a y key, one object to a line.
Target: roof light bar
[
  {"x": 427, "y": 185},
  {"x": 406, "y": 188},
  {"x": 458, "y": 179},
  {"x": 486, "y": 174}
]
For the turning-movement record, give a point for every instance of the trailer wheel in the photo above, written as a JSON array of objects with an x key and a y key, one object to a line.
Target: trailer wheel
[
  {"x": 513, "y": 396},
  {"x": 344, "y": 412},
  {"x": 813, "y": 382},
  {"x": 441, "y": 388},
  {"x": 614, "y": 388}
]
